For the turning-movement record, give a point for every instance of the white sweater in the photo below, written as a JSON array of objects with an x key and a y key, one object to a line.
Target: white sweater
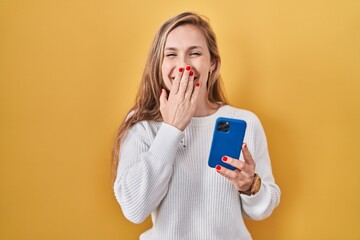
[{"x": 164, "y": 172}]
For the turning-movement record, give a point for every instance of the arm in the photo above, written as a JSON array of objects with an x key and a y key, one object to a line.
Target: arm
[
  {"x": 261, "y": 205},
  {"x": 145, "y": 170}
]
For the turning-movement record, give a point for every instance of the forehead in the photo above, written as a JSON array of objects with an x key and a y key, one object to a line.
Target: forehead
[{"x": 185, "y": 36}]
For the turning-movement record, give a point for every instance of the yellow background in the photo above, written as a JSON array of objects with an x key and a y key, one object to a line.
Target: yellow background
[{"x": 69, "y": 71}]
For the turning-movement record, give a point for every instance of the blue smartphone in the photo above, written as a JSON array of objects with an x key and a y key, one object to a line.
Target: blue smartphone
[{"x": 227, "y": 140}]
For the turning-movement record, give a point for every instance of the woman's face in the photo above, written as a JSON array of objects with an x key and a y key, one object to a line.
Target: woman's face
[{"x": 186, "y": 46}]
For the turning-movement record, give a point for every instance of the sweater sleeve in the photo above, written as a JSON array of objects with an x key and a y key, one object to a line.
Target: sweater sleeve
[
  {"x": 144, "y": 170},
  {"x": 261, "y": 205}
]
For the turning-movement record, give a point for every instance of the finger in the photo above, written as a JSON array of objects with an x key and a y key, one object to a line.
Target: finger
[
  {"x": 229, "y": 174},
  {"x": 176, "y": 82},
  {"x": 190, "y": 86},
  {"x": 163, "y": 98},
  {"x": 247, "y": 172},
  {"x": 195, "y": 93},
  {"x": 247, "y": 155},
  {"x": 245, "y": 169},
  {"x": 234, "y": 162},
  {"x": 184, "y": 81},
  {"x": 240, "y": 180}
]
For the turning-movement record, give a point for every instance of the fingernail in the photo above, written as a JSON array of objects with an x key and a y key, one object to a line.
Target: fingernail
[
  {"x": 218, "y": 167},
  {"x": 181, "y": 69},
  {"x": 188, "y": 68},
  {"x": 197, "y": 84},
  {"x": 245, "y": 145},
  {"x": 224, "y": 159},
  {"x": 191, "y": 73}
]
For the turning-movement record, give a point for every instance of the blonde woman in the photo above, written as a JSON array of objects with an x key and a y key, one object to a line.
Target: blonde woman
[{"x": 161, "y": 153}]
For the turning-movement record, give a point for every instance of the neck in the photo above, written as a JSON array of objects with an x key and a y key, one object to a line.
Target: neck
[{"x": 204, "y": 107}]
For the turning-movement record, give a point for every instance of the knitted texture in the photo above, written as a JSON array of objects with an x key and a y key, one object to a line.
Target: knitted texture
[{"x": 163, "y": 172}]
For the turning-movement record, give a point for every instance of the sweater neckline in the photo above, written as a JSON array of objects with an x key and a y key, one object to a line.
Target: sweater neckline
[{"x": 207, "y": 120}]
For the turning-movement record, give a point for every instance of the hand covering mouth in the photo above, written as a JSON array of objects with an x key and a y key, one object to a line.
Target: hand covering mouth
[{"x": 173, "y": 78}]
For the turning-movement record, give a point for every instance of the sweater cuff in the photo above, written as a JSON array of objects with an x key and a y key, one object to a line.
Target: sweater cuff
[
  {"x": 166, "y": 142},
  {"x": 255, "y": 199}
]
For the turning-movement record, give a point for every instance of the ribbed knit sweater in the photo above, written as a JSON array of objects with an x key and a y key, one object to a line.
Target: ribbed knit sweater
[{"x": 164, "y": 172}]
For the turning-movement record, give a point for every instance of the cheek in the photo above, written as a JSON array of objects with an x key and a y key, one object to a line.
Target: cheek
[
  {"x": 204, "y": 74},
  {"x": 165, "y": 69}
]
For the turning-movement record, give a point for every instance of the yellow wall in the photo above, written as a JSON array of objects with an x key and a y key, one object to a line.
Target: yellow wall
[{"x": 69, "y": 71}]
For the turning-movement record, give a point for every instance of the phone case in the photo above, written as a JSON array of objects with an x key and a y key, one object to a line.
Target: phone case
[{"x": 227, "y": 140}]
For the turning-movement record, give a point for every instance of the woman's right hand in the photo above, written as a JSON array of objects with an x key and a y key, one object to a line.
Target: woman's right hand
[{"x": 178, "y": 108}]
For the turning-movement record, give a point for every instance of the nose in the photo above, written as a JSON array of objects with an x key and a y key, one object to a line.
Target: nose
[{"x": 183, "y": 61}]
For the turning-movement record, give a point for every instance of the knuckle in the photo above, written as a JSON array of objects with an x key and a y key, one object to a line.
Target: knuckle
[
  {"x": 226, "y": 173},
  {"x": 183, "y": 84},
  {"x": 230, "y": 177},
  {"x": 241, "y": 166}
]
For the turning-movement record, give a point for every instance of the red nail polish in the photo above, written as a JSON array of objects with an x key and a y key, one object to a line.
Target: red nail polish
[
  {"x": 191, "y": 73},
  {"x": 197, "y": 84},
  {"x": 224, "y": 159},
  {"x": 181, "y": 69},
  {"x": 188, "y": 68},
  {"x": 218, "y": 167}
]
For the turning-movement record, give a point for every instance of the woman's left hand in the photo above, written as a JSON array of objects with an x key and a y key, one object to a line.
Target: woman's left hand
[{"x": 243, "y": 176}]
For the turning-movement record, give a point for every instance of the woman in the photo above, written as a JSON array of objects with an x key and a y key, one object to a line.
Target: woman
[{"x": 165, "y": 143}]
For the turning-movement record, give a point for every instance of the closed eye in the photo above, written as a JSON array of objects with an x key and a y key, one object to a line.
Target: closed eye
[
  {"x": 195, "y": 54},
  {"x": 170, "y": 55}
]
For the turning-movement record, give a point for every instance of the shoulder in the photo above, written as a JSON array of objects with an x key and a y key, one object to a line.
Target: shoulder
[
  {"x": 243, "y": 114},
  {"x": 145, "y": 127},
  {"x": 254, "y": 127},
  {"x": 253, "y": 123},
  {"x": 140, "y": 127},
  {"x": 141, "y": 132}
]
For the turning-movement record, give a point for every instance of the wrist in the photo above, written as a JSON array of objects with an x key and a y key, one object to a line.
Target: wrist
[{"x": 255, "y": 186}]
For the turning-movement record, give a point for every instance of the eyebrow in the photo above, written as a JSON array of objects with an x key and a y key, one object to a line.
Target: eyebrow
[{"x": 190, "y": 48}]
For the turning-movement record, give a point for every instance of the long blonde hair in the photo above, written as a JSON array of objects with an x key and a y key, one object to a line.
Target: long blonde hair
[{"x": 147, "y": 106}]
